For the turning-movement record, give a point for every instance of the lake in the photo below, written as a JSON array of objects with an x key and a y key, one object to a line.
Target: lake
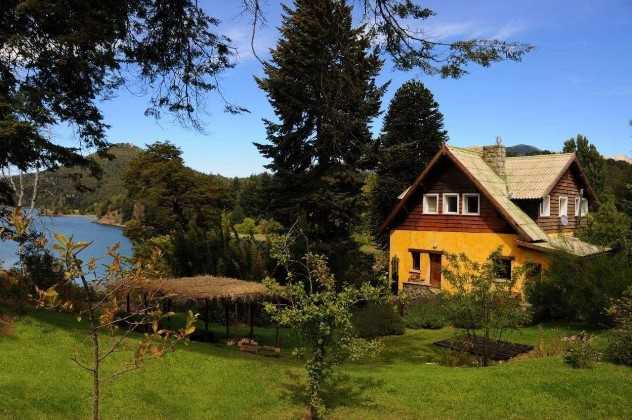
[{"x": 81, "y": 228}]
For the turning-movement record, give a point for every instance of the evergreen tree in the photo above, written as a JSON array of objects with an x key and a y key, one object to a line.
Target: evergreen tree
[
  {"x": 412, "y": 134},
  {"x": 590, "y": 159},
  {"x": 321, "y": 84}
]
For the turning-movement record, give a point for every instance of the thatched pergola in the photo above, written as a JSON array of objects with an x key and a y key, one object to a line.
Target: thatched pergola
[{"x": 209, "y": 289}]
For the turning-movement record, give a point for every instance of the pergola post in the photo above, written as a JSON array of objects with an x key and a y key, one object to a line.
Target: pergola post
[
  {"x": 251, "y": 315},
  {"x": 227, "y": 320},
  {"x": 206, "y": 316}
]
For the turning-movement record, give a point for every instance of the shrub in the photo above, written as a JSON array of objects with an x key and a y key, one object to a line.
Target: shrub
[
  {"x": 427, "y": 313},
  {"x": 579, "y": 289},
  {"x": 620, "y": 343},
  {"x": 579, "y": 351},
  {"x": 377, "y": 320},
  {"x": 481, "y": 305}
]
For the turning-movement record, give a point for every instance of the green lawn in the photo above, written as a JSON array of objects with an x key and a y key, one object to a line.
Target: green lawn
[{"x": 38, "y": 380}]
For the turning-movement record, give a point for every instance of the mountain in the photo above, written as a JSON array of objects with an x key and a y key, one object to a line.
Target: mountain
[
  {"x": 622, "y": 158},
  {"x": 523, "y": 150},
  {"x": 74, "y": 190}
]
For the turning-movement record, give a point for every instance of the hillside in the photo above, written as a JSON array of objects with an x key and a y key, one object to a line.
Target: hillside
[
  {"x": 72, "y": 189},
  {"x": 522, "y": 150}
]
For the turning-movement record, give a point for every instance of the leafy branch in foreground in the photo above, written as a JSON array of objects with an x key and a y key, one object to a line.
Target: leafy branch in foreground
[
  {"x": 322, "y": 315},
  {"x": 110, "y": 323},
  {"x": 397, "y": 26}
]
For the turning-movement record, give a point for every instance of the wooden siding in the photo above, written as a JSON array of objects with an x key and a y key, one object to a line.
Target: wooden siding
[
  {"x": 446, "y": 178},
  {"x": 569, "y": 186}
]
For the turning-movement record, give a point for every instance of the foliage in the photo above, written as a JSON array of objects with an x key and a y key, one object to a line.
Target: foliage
[
  {"x": 59, "y": 58},
  {"x": 377, "y": 320},
  {"x": 620, "y": 343},
  {"x": 480, "y": 304},
  {"x": 217, "y": 251},
  {"x": 579, "y": 351},
  {"x": 427, "y": 313},
  {"x": 167, "y": 195},
  {"x": 590, "y": 159},
  {"x": 608, "y": 226},
  {"x": 247, "y": 227},
  {"x": 579, "y": 289},
  {"x": 412, "y": 134},
  {"x": 321, "y": 313},
  {"x": 321, "y": 83}
]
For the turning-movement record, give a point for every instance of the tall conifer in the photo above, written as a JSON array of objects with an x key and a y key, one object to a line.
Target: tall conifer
[
  {"x": 321, "y": 84},
  {"x": 412, "y": 134}
]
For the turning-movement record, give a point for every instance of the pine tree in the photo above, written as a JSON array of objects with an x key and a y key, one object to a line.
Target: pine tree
[
  {"x": 412, "y": 134},
  {"x": 591, "y": 160},
  {"x": 321, "y": 84}
]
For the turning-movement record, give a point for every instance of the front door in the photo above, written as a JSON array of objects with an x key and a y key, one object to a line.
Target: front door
[{"x": 435, "y": 270}]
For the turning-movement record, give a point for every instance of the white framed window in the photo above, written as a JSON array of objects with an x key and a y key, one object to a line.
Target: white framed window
[
  {"x": 563, "y": 206},
  {"x": 545, "y": 206},
  {"x": 472, "y": 204},
  {"x": 584, "y": 206},
  {"x": 451, "y": 203},
  {"x": 431, "y": 204},
  {"x": 577, "y": 206}
]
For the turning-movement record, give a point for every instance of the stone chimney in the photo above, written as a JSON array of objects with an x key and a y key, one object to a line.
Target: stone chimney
[{"x": 495, "y": 157}]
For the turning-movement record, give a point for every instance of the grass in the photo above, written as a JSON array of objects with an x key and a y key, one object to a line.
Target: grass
[{"x": 202, "y": 381}]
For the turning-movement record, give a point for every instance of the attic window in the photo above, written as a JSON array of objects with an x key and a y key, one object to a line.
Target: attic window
[
  {"x": 545, "y": 206},
  {"x": 471, "y": 204},
  {"x": 563, "y": 206},
  {"x": 450, "y": 203},
  {"x": 431, "y": 204}
]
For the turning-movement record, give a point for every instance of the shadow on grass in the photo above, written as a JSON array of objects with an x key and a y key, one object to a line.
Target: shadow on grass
[{"x": 341, "y": 391}]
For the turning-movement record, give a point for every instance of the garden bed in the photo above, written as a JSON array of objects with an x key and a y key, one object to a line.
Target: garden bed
[{"x": 479, "y": 346}]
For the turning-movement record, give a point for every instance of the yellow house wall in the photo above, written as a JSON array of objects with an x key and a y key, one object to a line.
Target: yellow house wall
[{"x": 477, "y": 246}]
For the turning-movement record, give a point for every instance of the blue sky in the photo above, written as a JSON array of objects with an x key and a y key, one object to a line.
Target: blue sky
[{"x": 577, "y": 80}]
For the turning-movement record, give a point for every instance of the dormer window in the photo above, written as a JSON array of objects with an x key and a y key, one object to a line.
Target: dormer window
[
  {"x": 450, "y": 203},
  {"x": 431, "y": 203},
  {"x": 545, "y": 206},
  {"x": 563, "y": 206},
  {"x": 471, "y": 204}
]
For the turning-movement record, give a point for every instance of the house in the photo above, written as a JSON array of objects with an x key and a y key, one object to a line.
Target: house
[{"x": 475, "y": 200}]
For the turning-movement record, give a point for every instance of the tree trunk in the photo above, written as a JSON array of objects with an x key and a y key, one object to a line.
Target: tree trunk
[
  {"x": 315, "y": 375},
  {"x": 94, "y": 335},
  {"x": 96, "y": 380}
]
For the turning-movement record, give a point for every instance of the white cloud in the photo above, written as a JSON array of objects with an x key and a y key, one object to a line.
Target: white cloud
[
  {"x": 443, "y": 31},
  {"x": 240, "y": 36}
]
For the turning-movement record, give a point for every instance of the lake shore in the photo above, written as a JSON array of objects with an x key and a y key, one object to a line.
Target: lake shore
[{"x": 106, "y": 220}]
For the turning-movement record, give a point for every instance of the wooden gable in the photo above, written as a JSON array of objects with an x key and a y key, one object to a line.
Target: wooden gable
[
  {"x": 446, "y": 177},
  {"x": 569, "y": 185}
]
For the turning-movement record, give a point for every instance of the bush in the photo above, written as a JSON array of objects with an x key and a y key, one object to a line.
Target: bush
[
  {"x": 579, "y": 351},
  {"x": 378, "y": 320},
  {"x": 579, "y": 289},
  {"x": 620, "y": 343},
  {"x": 427, "y": 313}
]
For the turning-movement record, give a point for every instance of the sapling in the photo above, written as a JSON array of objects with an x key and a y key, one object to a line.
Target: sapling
[
  {"x": 321, "y": 312},
  {"x": 111, "y": 324}
]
